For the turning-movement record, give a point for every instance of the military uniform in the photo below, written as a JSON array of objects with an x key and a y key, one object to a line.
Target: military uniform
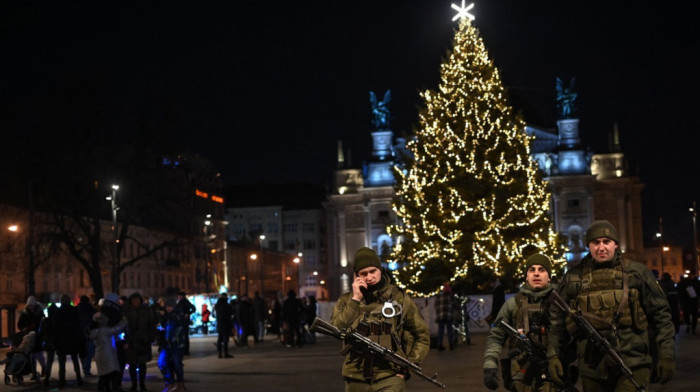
[
  {"x": 622, "y": 300},
  {"x": 405, "y": 333},
  {"x": 527, "y": 311}
]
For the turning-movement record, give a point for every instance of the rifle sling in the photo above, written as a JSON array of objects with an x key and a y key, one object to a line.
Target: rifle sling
[{"x": 526, "y": 315}]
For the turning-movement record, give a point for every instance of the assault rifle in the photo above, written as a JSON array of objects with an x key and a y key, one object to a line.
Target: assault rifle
[
  {"x": 357, "y": 341},
  {"x": 595, "y": 338},
  {"x": 536, "y": 356}
]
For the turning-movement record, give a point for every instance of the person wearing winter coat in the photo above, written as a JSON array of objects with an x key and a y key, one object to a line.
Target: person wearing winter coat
[
  {"x": 259, "y": 316},
  {"x": 29, "y": 320},
  {"x": 108, "y": 368},
  {"x": 174, "y": 322},
  {"x": 374, "y": 299},
  {"x": 140, "y": 334},
  {"x": 527, "y": 312},
  {"x": 69, "y": 339},
  {"x": 292, "y": 312},
  {"x": 85, "y": 311},
  {"x": 223, "y": 313},
  {"x": 113, "y": 310},
  {"x": 47, "y": 331}
]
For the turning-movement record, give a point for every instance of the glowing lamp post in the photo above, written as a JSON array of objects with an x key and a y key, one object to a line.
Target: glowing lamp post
[
  {"x": 252, "y": 257},
  {"x": 115, "y": 261},
  {"x": 660, "y": 236},
  {"x": 694, "y": 213},
  {"x": 262, "y": 266},
  {"x": 296, "y": 261}
]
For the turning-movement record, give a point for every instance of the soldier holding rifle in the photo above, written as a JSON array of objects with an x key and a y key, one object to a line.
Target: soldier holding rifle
[
  {"x": 380, "y": 311},
  {"x": 524, "y": 368},
  {"x": 622, "y": 301}
]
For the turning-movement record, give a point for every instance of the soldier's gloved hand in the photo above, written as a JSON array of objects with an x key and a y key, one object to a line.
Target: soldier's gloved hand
[
  {"x": 556, "y": 370},
  {"x": 491, "y": 378},
  {"x": 665, "y": 369}
]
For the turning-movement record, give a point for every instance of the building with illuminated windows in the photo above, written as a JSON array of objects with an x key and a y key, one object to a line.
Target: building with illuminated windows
[
  {"x": 585, "y": 187},
  {"x": 286, "y": 219}
]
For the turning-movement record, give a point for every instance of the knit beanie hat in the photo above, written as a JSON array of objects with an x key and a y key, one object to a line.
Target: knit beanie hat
[
  {"x": 601, "y": 228},
  {"x": 365, "y": 257},
  {"x": 31, "y": 301},
  {"x": 539, "y": 259}
]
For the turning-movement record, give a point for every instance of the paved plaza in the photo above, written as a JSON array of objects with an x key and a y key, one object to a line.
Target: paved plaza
[{"x": 270, "y": 366}]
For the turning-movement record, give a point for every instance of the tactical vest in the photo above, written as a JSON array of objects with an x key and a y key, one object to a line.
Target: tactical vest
[
  {"x": 379, "y": 325},
  {"x": 606, "y": 300},
  {"x": 532, "y": 319}
]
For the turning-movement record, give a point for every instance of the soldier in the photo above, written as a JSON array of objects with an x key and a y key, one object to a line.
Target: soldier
[
  {"x": 528, "y": 312},
  {"x": 394, "y": 322},
  {"x": 622, "y": 300}
]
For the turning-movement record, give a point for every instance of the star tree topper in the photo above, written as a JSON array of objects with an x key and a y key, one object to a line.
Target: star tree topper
[{"x": 463, "y": 12}]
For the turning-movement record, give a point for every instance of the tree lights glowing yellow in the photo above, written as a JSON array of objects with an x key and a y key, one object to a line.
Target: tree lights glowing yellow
[{"x": 470, "y": 195}]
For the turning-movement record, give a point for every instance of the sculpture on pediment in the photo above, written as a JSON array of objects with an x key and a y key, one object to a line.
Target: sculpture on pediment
[
  {"x": 565, "y": 99},
  {"x": 380, "y": 109}
]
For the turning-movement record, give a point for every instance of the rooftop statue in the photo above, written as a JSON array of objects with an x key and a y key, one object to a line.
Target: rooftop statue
[
  {"x": 565, "y": 99},
  {"x": 380, "y": 109}
]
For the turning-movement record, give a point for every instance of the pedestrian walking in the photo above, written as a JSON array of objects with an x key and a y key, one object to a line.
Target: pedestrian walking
[
  {"x": 443, "y": 316},
  {"x": 140, "y": 334},
  {"x": 224, "y": 324},
  {"x": 174, "y": 322},
  {"x": 112, "y": 309},
  {"x": 259, "y": 316},
  {"x": 689, "y": 293},
  {"x": 86, "y": 311},
  {"x": 48, "y": 337},
  {"x": 69, "y": 339},
  {"x": 276, "y": 316},
  {"x": 622, "y": 301},
  {"x": 109, "y": 369},
  {"x": 291, "y": 318},
  {"x": 244, "y": 314},
  {"x": 374, "y": 300},
  {"x": 528, "y": 313},
  {"x": 187, "y": 308},
  {"x": 206, "y": 314},
  {"x": 671, "y": 290}
]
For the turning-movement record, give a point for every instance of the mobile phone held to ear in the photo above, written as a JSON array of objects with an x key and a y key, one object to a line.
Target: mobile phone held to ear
[{"x": 365, "y": 291}]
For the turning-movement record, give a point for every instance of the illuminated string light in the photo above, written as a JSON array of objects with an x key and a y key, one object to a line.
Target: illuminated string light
[{"x": 471, "y": 195}]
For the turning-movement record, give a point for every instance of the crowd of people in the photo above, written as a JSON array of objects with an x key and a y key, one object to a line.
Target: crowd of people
[
  {"x": 113, "y": 332},
  {"x": 287, "y": 318},
  {"x": 618, "y": 299},
  {"x": 104, "y": 337}
]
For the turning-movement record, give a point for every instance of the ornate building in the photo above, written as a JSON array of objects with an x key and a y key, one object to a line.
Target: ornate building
[{"x": 585, "y": 187}]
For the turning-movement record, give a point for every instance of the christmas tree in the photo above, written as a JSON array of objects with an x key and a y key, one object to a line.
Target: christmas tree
[{"x": 469, "y": 195}]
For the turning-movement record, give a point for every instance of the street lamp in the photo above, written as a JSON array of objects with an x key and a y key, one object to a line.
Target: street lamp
[
  {"x": 245, "y": 271},
  {"x": 207, "y": 257},
  {"x": 296, "y": 261},
  {"x": 262, "y": 273},
  {"x": 661, "y": 251},
  {"x": 115, "y": 261},
  {"x": 694, "y": 213}
]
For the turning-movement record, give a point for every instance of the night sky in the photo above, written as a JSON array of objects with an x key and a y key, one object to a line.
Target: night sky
[{"x": 265, "y": 89}]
